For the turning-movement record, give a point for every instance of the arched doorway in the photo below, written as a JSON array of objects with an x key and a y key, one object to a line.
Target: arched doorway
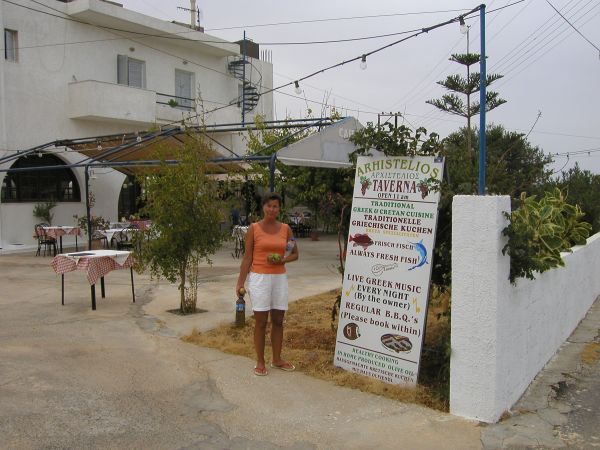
[{"x": 57, "y": 185}]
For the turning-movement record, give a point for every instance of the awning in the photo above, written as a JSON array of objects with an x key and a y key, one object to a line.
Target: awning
[{"x": 329, "y": 147}]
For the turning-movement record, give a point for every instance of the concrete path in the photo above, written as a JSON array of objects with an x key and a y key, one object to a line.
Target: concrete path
[{"x": 119, "y": 377}]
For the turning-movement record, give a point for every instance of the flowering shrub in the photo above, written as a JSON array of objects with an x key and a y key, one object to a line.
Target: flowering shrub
[{"x": 98, "y": 222}]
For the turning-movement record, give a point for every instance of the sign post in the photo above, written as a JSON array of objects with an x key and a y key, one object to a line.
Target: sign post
[{"x": 388, "y": 267}]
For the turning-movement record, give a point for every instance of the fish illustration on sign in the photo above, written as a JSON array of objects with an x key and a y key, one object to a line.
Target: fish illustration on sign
[
  {"x": 361, "y": 239},
  {"x": 422, "y": 254}
]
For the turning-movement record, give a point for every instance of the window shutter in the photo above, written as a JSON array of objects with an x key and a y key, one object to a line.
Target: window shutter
[
  {"x": 183, "y": 87},
  {"x": 122, "y": 69},
  {"x": 136, "y": 73}
]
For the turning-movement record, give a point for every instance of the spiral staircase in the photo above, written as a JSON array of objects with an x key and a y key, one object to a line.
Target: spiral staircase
[{"x": 240, "y": 68}]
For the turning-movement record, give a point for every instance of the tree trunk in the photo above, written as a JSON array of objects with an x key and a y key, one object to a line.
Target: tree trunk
[{"x": 182, "y": 289}]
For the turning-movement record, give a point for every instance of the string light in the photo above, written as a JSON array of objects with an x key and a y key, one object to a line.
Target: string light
[
  {"x": 297, "y": 88},
  {"x": 363, "y": 62},
  {"x": 463, "y": 26}
]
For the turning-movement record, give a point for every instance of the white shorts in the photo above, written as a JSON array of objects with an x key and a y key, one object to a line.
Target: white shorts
[{"x": 268, "y": 291}]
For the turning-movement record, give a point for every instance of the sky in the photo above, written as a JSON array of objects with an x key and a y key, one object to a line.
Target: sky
[{"x": 551, "y": 72}]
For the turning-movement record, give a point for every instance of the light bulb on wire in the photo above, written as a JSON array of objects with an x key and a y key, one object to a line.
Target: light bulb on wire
[
  {"x": 297, "y": 88},
  {"x": 463, "y": 26},
  {"x": 363, "y": 62}
]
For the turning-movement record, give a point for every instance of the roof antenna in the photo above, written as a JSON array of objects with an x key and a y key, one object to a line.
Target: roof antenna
[{"x": 195, "y": 14}]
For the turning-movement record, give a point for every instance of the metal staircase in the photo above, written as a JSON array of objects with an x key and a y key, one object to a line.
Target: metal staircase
[{"x": 241, "y": 68}]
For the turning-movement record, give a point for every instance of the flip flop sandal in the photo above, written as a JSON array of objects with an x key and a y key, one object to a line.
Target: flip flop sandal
[
  {"x": 286, "y": 366},
  {"x": 260, "y": 372}
]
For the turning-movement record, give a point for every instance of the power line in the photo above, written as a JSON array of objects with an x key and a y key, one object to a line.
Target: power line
[
  {"x": 573, "y": 26},
  {"x": 170, "y": 36},
  {"x": 333, "y": 19},
  {"x": 541, "y": 37},
  {"x": 528, "y": 63},
  {"x": 361, "y": 57},
  {"x": 334, "y": 41}
]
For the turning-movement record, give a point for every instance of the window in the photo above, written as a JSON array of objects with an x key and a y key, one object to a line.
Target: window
[
  {"x": 10, "y": 45},
  {"x": 40, "y": 185},
  {"x": 184, "y": 82},
  {"x": 131, "y": 72}
]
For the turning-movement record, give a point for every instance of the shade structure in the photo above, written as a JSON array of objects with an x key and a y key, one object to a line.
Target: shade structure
[{"x": 328, "y": 148}]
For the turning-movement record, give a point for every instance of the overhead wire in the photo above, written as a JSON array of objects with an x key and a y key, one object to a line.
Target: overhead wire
[
  {"x": 541, "y": 36},
  {"x": 295, "y": 22},
  {"x": 527, "y": 63},
  {"x": 573, "y": 26}
]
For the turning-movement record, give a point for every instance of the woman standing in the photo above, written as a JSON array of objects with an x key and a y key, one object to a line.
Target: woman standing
[{"x": 264, "y": 266}]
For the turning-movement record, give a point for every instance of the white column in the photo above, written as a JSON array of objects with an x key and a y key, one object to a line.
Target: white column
[{"x": 479, "y": 286}]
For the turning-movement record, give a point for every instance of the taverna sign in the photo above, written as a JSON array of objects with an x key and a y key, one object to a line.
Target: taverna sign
[{"x": 388, "y": 267}]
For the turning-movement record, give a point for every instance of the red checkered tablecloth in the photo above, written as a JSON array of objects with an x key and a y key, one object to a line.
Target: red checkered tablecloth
[
  {"x": 57, "y": 232},
  {"x": 141, "y": 224},
  {"x": 97, "y": 263}
]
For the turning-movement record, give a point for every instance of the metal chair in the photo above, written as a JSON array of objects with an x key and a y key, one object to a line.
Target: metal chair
[
  {"x": 123, "y": 239},
  {"x": 98, "y": 236},
  {"x": 43, "y": 239}
]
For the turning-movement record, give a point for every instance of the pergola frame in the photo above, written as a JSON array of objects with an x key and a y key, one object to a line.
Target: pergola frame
[{"x": 106, "y": 159}]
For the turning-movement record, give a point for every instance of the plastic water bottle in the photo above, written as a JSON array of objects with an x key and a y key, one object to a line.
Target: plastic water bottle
[
  {"x": 240, "y": 309},
  {"x": 289, "y": 246}
]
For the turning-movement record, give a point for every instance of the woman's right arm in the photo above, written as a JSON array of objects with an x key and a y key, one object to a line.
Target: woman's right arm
[{"x": 246, "y": 260}]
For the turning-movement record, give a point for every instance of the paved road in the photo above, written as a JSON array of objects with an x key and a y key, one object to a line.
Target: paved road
[{"x": 119, "y": 377}]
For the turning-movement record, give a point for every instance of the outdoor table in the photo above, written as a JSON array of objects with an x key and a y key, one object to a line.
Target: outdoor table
[
  {"x": 109, "y": 233},
  {"x": 141, "y": 224},
  {"x": 97, "y": 264},
  {"x": 59, "y": 232}
]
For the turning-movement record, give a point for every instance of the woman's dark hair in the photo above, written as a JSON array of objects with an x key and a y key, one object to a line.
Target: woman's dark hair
[{"x": 271, "y": 196}]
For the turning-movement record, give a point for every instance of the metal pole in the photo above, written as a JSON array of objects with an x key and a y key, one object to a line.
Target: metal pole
[
  {"x": 244, "y": 79},
  {"x": 482, "y": 95},
  {"x": 87, "y": 206},
  {"x": 272, "y": 172}
]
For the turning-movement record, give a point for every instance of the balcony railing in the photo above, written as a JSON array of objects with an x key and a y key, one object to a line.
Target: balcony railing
[{"x": 175, "y": 101}]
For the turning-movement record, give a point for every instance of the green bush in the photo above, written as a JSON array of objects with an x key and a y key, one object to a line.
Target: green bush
[{"x": 539, "y": 230}]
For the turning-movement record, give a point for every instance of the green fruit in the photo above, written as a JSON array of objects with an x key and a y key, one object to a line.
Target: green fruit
[{"x": 275, "y": 257}]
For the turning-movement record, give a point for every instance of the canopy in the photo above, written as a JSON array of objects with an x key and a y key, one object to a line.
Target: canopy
[{"x": 329, "y": 147}]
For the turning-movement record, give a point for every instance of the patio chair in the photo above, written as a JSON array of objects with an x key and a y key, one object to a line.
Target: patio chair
[
  {"x": 124, "y": 238},
  {"x": 98, "y": 236},
  {"x": 43, "y": 239}
]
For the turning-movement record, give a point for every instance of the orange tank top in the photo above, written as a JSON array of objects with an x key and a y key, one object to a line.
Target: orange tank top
[{"x": 264, "y": 245}]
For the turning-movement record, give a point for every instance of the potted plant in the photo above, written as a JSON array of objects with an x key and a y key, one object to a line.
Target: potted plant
[{"x": 43, "y": 211}]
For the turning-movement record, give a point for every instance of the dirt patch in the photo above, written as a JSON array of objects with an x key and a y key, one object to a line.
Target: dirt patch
[
  {"x": 591, "y": 353},
  {"x": 309, "y": 342}
]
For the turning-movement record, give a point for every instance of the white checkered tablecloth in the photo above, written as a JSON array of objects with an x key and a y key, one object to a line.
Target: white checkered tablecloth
[
  {"x": 56, "y": 232},
  {"x": 96, "y": 263}
]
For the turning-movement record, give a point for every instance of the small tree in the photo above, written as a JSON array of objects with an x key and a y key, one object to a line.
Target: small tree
[
  {"x": 184, "y": 206},
  {"x": 466, "y": 86}
]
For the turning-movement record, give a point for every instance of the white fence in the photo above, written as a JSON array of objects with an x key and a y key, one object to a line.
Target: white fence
[{"x": 503, "y": 335}]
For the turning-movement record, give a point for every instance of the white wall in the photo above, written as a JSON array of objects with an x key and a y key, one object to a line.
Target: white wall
[
  {"x": 35, "y": 107},
  {"x": 503, "y": 335}
]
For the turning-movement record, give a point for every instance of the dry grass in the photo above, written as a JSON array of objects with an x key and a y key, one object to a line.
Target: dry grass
[{"x": 309, "y": 342}]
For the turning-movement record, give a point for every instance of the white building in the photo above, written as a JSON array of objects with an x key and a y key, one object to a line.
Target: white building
[{"x": 83, "y": 68}]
